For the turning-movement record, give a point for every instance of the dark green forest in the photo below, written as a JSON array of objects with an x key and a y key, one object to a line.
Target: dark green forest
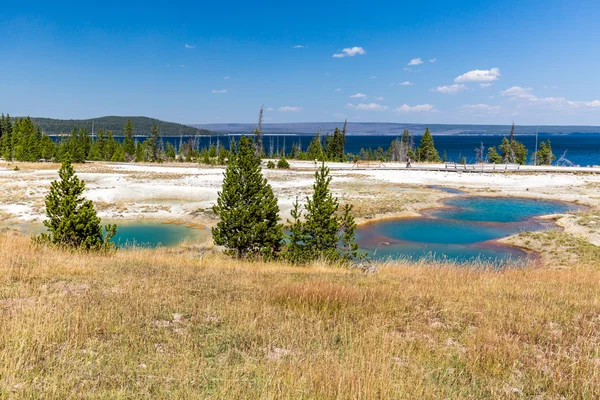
[{"x": 142, "y": 126}]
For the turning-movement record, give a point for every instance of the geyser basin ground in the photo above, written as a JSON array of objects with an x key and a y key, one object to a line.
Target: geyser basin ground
[{"x": 464, "y": 230}]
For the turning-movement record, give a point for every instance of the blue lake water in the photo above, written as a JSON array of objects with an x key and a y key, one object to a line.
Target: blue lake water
[
  {"x": 581, "y": 148},
  {"x": 462, "y": 231}
]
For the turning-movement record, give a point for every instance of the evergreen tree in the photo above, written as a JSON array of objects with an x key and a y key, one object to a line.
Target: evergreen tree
[
  {"x": 283, "y": 164},
  {"x": 128, "y": 142},
  {"x": 247, "y": 208},
  {"x": 426, "y": 151},
  {"x": 170, "y": 152},
  {"x": 151, "y": 144},
  {"x": 493, "y": 156},
  {"x": 315, "y": 149},
  {"x": 72, "y": 220},
  {"x": 334, "y": 146},
  {"x": 111, "y": 147},
  {"x": 6, "y": 146},
  {"x": 140, "y": 152},
  {"x": 513, "y": 151},
  {"x": 319, "y": 234},
  {"x": 2, "y": 124},
  {"x": 349, "y": 248},
  {"x": 544, "y": 155},
  {"x": 223, "y": 154}
]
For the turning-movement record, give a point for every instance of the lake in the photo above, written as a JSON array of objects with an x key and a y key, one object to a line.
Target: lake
[{"x": 581, "y": 148}]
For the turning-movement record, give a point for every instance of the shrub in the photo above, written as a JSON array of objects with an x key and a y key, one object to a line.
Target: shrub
[{"x": 283, "y": 164}]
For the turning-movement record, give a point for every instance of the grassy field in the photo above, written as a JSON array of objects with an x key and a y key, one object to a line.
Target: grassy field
[{"x": 169, "y": 323}]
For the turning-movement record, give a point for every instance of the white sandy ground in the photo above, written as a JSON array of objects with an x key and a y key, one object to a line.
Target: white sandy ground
[{"x": 186, "y": 192}]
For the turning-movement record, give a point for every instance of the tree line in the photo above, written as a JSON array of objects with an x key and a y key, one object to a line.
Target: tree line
[{"x": 22, "y": 140}]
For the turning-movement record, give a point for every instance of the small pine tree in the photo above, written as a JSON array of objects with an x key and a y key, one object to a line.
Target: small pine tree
[
  {"x": 493, "y": 156},
  {"x": 283, "y": 164},
  {"x": 319, "y": 235},
  {"x": 426, "y": 151},
  {"x": 247, "y": 208},
  {"x": 128, "y": 143},
  {"x": 72, "y": 220},
  {"x": 170, "y": 152}
]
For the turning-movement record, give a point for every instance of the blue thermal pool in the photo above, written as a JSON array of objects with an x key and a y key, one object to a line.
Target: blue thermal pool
[
  {"x": 142, "y": 233},
  {"x": 464, "y": 230},
  {"x": 153, "y": 234}
]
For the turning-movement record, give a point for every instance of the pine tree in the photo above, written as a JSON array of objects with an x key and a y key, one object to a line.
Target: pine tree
[
  {"x": 247, "y": 208},
  {"x": 6, "y": 146},
  {"x": 128, "y": 143},
  {"x": 2, "y": 123},
  {"x": 72, "y": 220},
  {"x": 315, "y": 149},
  {"x": 493, "y": 156},
  {"x": 349, "y": 248},
  {"x": 151, "y": 144},
  {"x": 140, "y": 152},
  {"x": 544, "y": 155},
  {"x": 426, "y": 151},
  {"x": 319, "y": 234},
  {"x": 170, "y": 152}
]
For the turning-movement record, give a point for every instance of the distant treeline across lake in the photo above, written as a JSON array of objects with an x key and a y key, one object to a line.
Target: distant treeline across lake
[{"x": 581, "y": 148}]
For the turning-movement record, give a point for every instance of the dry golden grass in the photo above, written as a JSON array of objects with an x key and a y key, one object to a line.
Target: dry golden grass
[{"x": 169, "y": 324}]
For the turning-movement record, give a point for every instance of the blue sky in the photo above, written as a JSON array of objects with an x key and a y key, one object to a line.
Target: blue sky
[{"x": 535, "y": 62}]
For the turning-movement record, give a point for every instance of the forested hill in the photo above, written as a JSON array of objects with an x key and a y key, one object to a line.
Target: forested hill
[{"x": 141, "y": 126}]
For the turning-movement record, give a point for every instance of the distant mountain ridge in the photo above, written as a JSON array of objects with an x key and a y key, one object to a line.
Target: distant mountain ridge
[
  {"x": 394, "y": 129},
  {"x": 141, "y": 126}
]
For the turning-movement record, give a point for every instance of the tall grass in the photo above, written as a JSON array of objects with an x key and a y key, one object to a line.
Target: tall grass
[{"x": 167, "y": 323}]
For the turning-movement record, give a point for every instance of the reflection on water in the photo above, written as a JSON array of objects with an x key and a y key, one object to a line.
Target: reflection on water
[{"x": 462, "y": 231}]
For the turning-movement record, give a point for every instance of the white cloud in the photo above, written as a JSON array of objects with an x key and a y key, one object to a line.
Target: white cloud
[
  {"x": 289, "y": 109},
  {"x": 337, "y": 90},
  {"x": 227, "y": 77},
  {"x": 219, "y": 91},
  {"x": 485, "y": 85},
  {"x": 406, "y": 83},
  {"x": 519, "y": 93},
  {"x": 367, "y": 107},
  {"x": 480, "y": 108},
  {"x": 350, "y": 52},
  {"x": 405, "y": 108},
  {"x": 407, "y": 69},
  {"x": 339, "y": 115},
  {"x": 452, "y": 89},
  {"x": 189, "y": 46},
  {"x": 300, "y": 46},
  {"x": 415, "y": 61},
  {"x": 595, "y": 103},
  {"x": 182, "y": 65},
  {"x": 525, "y": 98},
  {"x": 479, "y": 75},
  {"x": 373, "y": 77},
  {"x": 432, "y": 60},
  {"x": 378, "y": 98},
  {"x": 269, "y": 109},
  {"x": 359, "y": 96}
]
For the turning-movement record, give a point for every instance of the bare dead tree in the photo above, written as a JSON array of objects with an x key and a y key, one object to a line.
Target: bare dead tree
[{"x": 259, "y": 150}]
